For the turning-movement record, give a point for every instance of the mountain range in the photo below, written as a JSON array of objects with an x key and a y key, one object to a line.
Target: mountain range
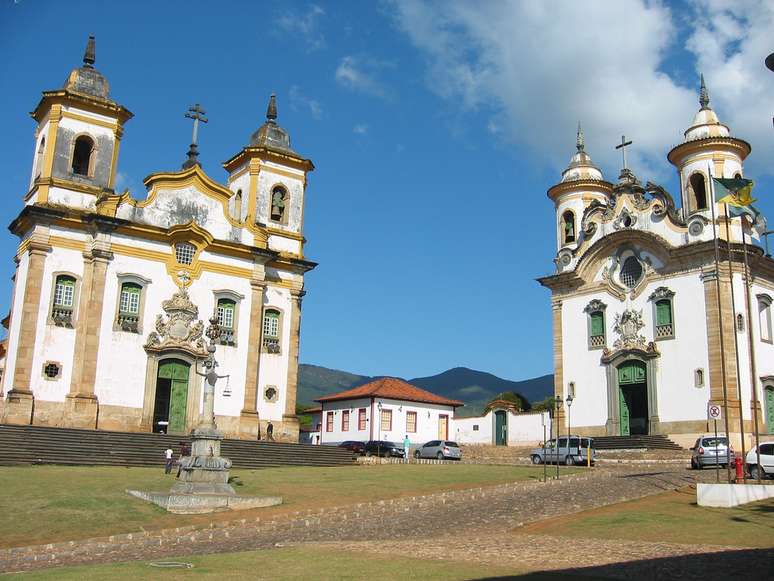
[{"x": 475, "y": 388}]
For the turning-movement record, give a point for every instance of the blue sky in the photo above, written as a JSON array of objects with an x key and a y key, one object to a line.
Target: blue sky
[{"x": 435, "y": 127}]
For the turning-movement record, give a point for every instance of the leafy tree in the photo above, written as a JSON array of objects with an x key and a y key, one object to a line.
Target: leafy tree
[
  {"x": 544, "y": 405},
  {"x": 511, "y": 396}
]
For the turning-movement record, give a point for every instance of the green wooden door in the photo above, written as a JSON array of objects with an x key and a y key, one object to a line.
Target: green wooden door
[
  {"x": 629, "y": 373},
  {"x": 769, "y": 409},
  {"x": 176, "y": 371},
  {"x": 501, "y": 428},
  {"x": 623, "y": 395}
]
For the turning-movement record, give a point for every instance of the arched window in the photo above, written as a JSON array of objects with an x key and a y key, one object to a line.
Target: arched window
[
  {"x": 737, "y": 176},
  {"x": 698, "y": 378},
  {"x": 226, "y": 313},
  {"x": 764, "y": 315},
  {"x": 740, "y": 323},
  {"x": 64, "y": 300},
  {"x": 698, "y": 187},
  {"x": 595, "y": 311},
  {"x": 238, "y": 206},
  {"x": 82, "y": 152},
  {"x": 279, "y": 200},
  {"x": 271, "y": 331},
  {"x": 631, "y": 272},
  {"x": 568, "y": 227},
  {"x": 39, "y": 156},
  {"x": 185, "y": 252}
]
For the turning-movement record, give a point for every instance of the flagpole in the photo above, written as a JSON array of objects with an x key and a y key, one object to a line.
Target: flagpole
[
  {"x": 720, "y": 317},
  {"x": 754, "y": 382},
  {"x": 736, "y": 337}
]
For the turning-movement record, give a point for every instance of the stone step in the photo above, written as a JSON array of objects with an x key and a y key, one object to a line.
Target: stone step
[
  {"x": 69, "y": 446},
  {"x": 653, "y": 442}
]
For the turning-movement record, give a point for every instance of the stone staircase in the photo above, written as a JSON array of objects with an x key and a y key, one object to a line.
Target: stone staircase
[
  {"x": 44, "y": 445},
  {"x": 654, "y": 442}
]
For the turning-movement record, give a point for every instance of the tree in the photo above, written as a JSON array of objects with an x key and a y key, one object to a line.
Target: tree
[
  {"x": 518, "y": 401},
  {"x": 544, "y": 405}
]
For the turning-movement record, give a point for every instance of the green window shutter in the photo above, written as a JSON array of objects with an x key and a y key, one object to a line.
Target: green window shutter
[
  {"x": 597, "y": 324},
  {"x": 64, "y": 291},
  {"x": 226, "y": 309},
  {"x": 130, "y": 298},
  {"x": 663, "y": 313}
]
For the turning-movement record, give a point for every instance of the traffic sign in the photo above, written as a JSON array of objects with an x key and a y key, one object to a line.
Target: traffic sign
[{"x": 714, "y": 412}]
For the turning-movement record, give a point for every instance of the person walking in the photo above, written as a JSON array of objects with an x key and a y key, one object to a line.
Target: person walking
[
  {"x": 406, "y": 446},
  {"x": 168, "y": 454},
  {"x": 270, "y": 432}
]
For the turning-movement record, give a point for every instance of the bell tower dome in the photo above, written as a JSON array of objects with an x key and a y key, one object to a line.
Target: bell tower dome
[
  {"x": 77, "y": 139},
  {"x": 581, "y": 184},
  {"x": 708, "y": 150}
]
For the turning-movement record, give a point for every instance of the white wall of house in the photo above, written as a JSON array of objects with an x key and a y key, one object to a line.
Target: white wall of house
[
  {"x": 428, "y": 420},
  {"x": 523, "y": 428}
]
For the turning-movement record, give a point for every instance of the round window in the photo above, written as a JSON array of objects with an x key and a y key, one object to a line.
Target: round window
[
  {"x": 631, "y": 272},
  {"x": 270, "y": 394}
]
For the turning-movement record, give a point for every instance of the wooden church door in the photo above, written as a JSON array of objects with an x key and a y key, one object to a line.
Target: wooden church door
[{"x": 173, "y": 379}]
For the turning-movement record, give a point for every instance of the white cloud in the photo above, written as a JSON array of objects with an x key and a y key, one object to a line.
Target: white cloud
[
  {"x": 360, "y": 129},
  {"x": 305, "y": 25},
  {"x": 126, "y": 182},
  {"x": 300, "y": 101},
  {"x": 543, "y": 66},
  {"x": 359, "y": 74},
  {"x": 730, "y": 41}
]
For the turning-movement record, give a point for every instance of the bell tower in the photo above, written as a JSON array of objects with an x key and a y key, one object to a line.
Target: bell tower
[
  {"x": 269, "y": 180},
  {"x": 581, "y": 184},
  {"x": 77, "y": 139},
  {"x": 708, "y": 150}
]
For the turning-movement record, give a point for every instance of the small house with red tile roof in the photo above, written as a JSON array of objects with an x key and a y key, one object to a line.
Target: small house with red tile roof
[{"x": 386, "y": 409}]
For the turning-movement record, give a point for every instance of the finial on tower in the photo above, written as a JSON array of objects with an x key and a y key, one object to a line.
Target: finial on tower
[
  {"x": 579, "y": 143},
  {"x": 703, "y": 95},
  {"x": 271, "y": 111},
  {"x": 90, "y": 54}
]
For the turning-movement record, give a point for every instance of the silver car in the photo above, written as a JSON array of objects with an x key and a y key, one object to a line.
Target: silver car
[
  {"x": 440, "y": 450},
  {"x": 711, "y": 451},
  {"x": 578, "y": 452}
]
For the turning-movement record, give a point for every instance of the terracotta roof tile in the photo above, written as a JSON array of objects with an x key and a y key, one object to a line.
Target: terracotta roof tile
[{"x": 391, "y": 388}]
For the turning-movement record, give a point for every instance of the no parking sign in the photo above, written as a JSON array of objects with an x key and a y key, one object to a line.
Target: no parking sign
[{"x": 714, "y": 412}]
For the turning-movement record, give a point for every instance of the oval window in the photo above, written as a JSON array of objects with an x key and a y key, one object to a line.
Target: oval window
[{"x": 631, "y": 272}]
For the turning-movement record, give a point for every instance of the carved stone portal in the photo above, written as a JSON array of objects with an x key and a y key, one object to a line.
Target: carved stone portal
[{"x": 180, "y": 328}]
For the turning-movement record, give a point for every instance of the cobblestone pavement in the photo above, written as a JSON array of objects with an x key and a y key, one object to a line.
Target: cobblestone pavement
[
  {"x": 482, "y": 518},
  {"x": 574, "y": 556}
]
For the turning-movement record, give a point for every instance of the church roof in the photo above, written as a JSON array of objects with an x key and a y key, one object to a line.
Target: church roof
[
  {"x": 705, "y": 123},
  {"x": 270, "y": 134},
  {"x": 581, "y": 167},
  {"x": 86, "y": 79},
  {"x": 391, "y": 388}
]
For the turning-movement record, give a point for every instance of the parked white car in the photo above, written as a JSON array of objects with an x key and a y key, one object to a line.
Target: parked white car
[{"x": 766, "y": 466}]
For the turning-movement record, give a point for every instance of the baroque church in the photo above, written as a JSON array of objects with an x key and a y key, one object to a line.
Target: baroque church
[
  {"x": 646, "y": 332},
  {"x": 112, "y": 294}
]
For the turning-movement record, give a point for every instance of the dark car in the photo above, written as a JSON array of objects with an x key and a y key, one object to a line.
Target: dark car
[
  {"x": 352, "y": 445},
  {"x": 383, "y": 448}
]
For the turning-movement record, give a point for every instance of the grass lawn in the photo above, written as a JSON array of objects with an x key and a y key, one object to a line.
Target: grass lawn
[
  {"x": 672, "y": 517},
  {"x": 293, "y": 563},
  {"x": 41, "y": 504}
]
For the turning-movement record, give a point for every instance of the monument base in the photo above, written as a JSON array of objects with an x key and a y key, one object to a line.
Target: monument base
[{"x": 204, "y": 503}]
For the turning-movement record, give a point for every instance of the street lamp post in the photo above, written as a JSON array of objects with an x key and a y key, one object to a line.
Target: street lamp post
[
  {"x": 379, "y": 433},
  {"x": 569, "y": 403},
  {"x": 558, "y": 406}
]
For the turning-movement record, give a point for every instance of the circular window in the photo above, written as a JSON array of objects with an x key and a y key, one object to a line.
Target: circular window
[
  {"x": 270, "y": 394},
  {"x": 631, "y": 272},
  {"x": 51, "y": 370}
]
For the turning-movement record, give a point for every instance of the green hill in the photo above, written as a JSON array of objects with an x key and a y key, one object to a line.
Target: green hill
[{"x": 475, "y": 388}]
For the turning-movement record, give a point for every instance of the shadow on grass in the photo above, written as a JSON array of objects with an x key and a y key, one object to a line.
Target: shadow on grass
[{"x": 743, "y": 565}]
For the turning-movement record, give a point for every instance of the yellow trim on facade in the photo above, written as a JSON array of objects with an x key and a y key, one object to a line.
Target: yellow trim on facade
[
  {"x": 114, "y": 161},
  {"x": 90, "y": 120},
  {"x": 62, "y": 242},
  {"x": 296, "y": 176}
]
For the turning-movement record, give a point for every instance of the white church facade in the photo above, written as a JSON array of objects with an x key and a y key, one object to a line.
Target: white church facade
[
  {"x": 112, "y": 294},
  {"x": 636, "y": 311}
]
